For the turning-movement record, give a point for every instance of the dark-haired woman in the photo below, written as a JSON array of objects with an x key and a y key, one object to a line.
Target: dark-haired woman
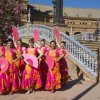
[
  {"x": 3, "y": 76},
  {"x": 13, "y": 71},
  {"x": 54, "y": 76},
  {"x": 20, "y": 63},
  {"x": 31, "y": 76},
  {"x": 63, "y": 63},
  {"x": 43, "y": 64}
]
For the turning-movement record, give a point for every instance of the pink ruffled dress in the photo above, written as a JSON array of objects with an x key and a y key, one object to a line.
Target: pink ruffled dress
[
  {"x": 54, "y": 76},
  {"x": 31, "y": 76}
]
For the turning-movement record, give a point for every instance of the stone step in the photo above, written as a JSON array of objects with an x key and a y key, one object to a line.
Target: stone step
[
  {"x": 92, "y": 47},
  {"x": 89, "y": 41},
  {"x": 91, "y": 44}
]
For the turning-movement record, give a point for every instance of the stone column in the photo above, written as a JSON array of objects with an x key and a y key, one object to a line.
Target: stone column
[
  {"x": 54, "y": 3},
  {"x": 58, "y": 11}
]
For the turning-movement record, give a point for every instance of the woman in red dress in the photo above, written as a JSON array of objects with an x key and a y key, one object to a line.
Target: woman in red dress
[
  {"x": 11, "y": 55},
  {"x": 31, "y": 76},
  {"x": 20, "y": 63},
  {"x": 63, "y": 63},
  {"x": 43, "y": 64},
  {"x": 3, "y": 76},
  {"x": 54, "y": 76}
]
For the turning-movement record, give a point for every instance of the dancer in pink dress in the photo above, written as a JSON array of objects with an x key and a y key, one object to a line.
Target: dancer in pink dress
[
  {"x": 31, "y": 76},
  {"x": 3, "y": 76},
  {"x": 63, "y": 63},
  {"x": 43, "y": 64},
  {"x": 54, "y": 76},
  {"x": 20, "y": 63},
  {"x": 13, "y": 71}
]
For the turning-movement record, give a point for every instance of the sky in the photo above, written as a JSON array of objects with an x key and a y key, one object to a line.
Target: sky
[{"x": 71, "y": 3}]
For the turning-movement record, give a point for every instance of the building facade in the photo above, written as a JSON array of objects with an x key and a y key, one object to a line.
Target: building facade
[{"x": 77, "y": 20}]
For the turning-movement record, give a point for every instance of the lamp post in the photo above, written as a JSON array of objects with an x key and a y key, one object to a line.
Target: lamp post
[{"x": 54, "y": 3}]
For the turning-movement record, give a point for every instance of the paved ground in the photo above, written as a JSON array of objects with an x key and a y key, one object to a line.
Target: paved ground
[{"x": 74, "y": 90}]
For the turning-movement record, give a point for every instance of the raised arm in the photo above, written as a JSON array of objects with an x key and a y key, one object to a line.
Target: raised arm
[
  {"x": 61, "y": 55},
  {"x": 40, "y": 53},
  {"x": 19, "y": 55}
]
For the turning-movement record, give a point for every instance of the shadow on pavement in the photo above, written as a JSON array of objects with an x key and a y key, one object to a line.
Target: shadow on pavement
[
  {"x": 78, "y": 97},
  {"x": 71, "y": 83}
]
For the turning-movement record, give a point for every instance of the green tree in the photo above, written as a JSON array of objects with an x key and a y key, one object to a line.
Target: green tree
[{"x": 10, "y": 14}]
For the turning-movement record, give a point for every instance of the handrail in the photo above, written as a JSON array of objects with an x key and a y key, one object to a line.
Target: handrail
[
  {"x": 82, "y": 46},
  {"x": 81, "y": 54},
  {"x": 45, "y": 32}
]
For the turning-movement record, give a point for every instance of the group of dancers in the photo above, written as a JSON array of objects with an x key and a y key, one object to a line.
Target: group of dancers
[{"x": 22, "y": 76}]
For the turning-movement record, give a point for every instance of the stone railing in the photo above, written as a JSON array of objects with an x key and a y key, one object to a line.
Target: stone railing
[
  {"x": 44, "y": 31},
  {"x": 81, "y": 55}
]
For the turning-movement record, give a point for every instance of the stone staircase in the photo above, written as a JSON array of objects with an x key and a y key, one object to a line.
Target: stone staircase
[{"x": 93, "y": 45}]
